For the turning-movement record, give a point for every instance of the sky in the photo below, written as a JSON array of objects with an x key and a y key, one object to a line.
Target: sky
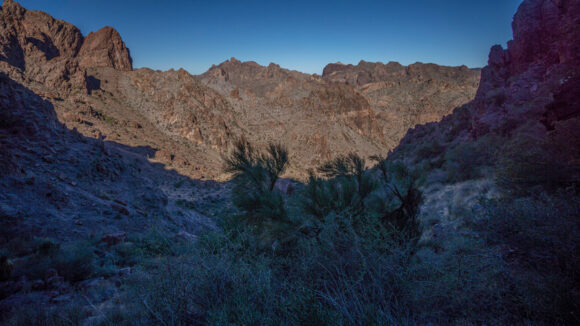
[{"x": 296, "y": 34}]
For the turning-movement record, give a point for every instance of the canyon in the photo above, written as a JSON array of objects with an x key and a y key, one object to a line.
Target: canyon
[{"x": 122, "y": 169}]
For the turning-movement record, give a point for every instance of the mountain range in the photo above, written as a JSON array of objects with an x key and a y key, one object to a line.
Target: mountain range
[
  {"x": 191, "y": 121},
  {"x": 110, "y": 175}
]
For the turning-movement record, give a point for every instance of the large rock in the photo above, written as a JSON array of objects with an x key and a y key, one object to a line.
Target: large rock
[
  {"x": 36, "y": 46},
  {"x": 535, "y": 82},
  {"x": 105, "y": 48},
  {"x": 543, "y": 56},
  {"x": 52, "y": 52}
]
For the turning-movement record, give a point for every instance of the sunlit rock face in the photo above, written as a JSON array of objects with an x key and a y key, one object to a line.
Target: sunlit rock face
[
  {"x": 405, "y": 96},
  {"x": 105, "y": 48}
]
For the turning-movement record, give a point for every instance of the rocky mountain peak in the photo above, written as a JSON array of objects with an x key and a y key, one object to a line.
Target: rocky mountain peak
[
  {"x": 546, "y": 31},
  {"x": 545, "y": 50},
  {"x": 12, "y": 7},
  {"x": 105, "y": 48},
  {"x": 31, "y": 41}
]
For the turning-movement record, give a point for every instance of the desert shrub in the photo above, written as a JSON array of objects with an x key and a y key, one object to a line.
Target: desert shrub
[
  {"x": 345, "y": 189},
  {"x": 539, "y": 238},
  {"x": 75, "y": 262},
  {"x": 352, "y": 168},
  {"x": 152, "y": 244},
  {"x": 463, "y": 282},
  {"x": 263, "y": 207},
  {"x": 356, "y": 274},
  {"x": 320, "y": 197},
  {"x": 220, "y": 283},
  {"x": 429, "y": 149},
  {"x": 347, "y": 277},
  {"x": 468, "y": 160},
  {"x": 529, "y": 161},
  {"x": 46, "y": 247},
  {"x": 399, "y": 199}
]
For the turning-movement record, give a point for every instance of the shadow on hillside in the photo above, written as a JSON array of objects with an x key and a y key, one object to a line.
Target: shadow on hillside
[{"x": 38, "y": 178}]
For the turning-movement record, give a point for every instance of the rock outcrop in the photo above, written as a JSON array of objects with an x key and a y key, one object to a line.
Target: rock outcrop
[
  {"x": 535, "y": 80},
  {"x": 523, "y": 127},
  {"x": 35, "y": 46},
  {"x": 191, "y": 121},
  {"x": 181, "y": 106},
  {"x": 105, "y": 48},
  {"x": 542, "y": 60}
]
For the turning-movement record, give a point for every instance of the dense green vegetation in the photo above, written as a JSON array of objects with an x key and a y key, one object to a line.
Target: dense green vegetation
[{"x": 347, "y": 248}]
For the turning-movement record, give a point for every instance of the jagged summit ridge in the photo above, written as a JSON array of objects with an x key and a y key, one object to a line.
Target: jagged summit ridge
[
  {"x": 33, "y": 39},
  {"x": 317, "y": 116}
]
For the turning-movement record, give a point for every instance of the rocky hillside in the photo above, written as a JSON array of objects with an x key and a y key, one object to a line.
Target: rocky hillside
[
  {"x": 405, "y": 96},
  {"x": 65, "y": 182},
  {"x": 316, "y": 119},
  {"x": 521, "y": 131},
  {"x": 192, "y": 124},
  {"x": 472, "y": 220}
]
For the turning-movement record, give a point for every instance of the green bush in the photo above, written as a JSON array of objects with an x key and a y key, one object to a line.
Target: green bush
[
  {"x": 529, "y": 161},
  {"x": 429, "y": 149},
  {"x": 263, "y": 207},
  {"x": 346, "y": 188},
  {"x": 468, "y": 160},
  {"x": 398, "y": 203},
  {"x": 462, "y": 282},
  {"x": 538, "y": 238},
  {"x": 74, "y": 262}
]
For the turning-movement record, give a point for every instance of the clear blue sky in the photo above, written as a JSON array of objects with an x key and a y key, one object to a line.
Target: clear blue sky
[{"x": 300, "y": 35}]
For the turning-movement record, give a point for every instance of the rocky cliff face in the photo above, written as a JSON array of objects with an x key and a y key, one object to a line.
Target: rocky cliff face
[
  {"x": 61, "y": 183},
  {"x": 182, "y": 106},
  {"x": 36, "y": 47},
  {"x": 523, "y": 127},
  {"x": 105, "y": 48},
  {"x": 533, "y": 81},
  {"x": 541, "y": 62},
  {"x": 405, "y": 96}
]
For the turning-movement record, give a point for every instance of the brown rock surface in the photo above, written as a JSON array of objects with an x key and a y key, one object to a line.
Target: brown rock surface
[
  {"x": 404, "y": 96},
  {"x": 191, "y": 121},
  {"x": 532, "y": 85},
  {"x": 314, "y": 118},
  {"x": 35, "y": 46},
  {"x": 542, "y": 61},
  {"x": 105, "y": 48}
]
